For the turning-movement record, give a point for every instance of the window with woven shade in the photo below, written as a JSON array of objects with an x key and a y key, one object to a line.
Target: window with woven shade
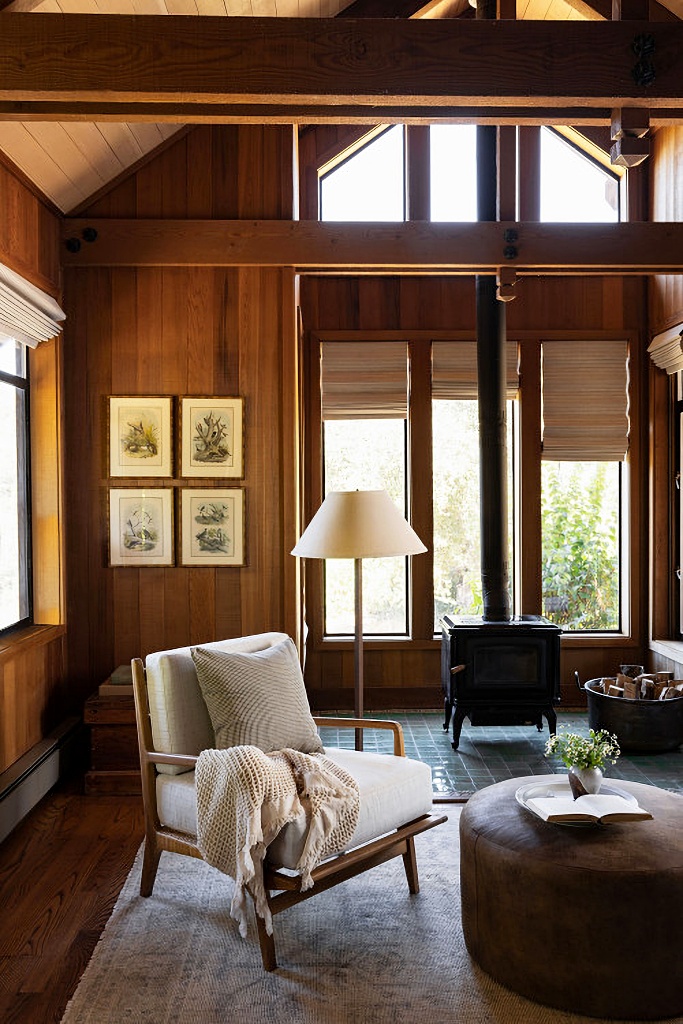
[
  {"x": 364, "y": 395},
  {"x": 585, "y": 439},
  {"x": 456, "y": 474},
  {"x": 28, "y": 317},
  {"x": 585, "y": 400}
]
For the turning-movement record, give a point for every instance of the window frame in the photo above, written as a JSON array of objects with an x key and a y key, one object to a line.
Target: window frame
[
  {"x": 367, "y": 634},
  {"x": 526, "y": 465},
  {"x": 24, "y": 506},
  {"x": 526, "y": 457}
]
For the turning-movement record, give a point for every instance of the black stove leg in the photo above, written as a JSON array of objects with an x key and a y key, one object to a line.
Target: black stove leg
[
  {"x": 458, "y": 719},
  {"x": 552, "y": 720}
]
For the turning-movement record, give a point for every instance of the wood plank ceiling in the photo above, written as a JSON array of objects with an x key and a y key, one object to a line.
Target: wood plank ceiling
[{"x": 69, "y": 162}]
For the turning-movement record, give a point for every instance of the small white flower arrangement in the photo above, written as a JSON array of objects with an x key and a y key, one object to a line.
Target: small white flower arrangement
[{"x": 592, "y": 751}]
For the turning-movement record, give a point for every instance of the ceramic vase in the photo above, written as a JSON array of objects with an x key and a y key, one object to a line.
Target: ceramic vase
[{"x": 584, "y": 780}]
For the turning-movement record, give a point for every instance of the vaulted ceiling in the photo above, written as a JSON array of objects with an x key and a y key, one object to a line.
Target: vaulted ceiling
[{"x": 71, "y": 161}]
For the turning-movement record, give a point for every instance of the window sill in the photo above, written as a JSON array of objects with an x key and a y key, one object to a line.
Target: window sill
[
  {"x": 24, "y": 639},
  {"x": 374, "y": 643},
  {"x": 621, "y": 640},
  {"x": 672, "y": 649}
]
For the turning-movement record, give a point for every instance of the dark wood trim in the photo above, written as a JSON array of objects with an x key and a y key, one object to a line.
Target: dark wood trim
[
  {"x": 417, "y": 168},
  {"x": 529, "y": 479},
  {"x": 302, "y": 113},
  {"x": 308, "y": 245},
  {"x": 383, "y": 9},
  {"x": 507, "y": 173},
  {"x": 662, "y": 541},
  {"x": 421, "y": 488},
  {"x": 529, "y": 173},
  {"x": 184, "y": 62}
]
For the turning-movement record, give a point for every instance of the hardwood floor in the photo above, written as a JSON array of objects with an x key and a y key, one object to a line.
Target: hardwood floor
[{"x": 60, "y": 873}]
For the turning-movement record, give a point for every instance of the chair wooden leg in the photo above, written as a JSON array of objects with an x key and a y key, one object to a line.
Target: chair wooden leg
[
  {"x": 410, "y": 865},
  {"x": 267, "y": 944},
  {"x": 150, "y": 863}
]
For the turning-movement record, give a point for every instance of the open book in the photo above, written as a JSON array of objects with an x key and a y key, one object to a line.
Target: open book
[{"x": 593, "y": 807}]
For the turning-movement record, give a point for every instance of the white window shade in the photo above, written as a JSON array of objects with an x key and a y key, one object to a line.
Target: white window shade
[
  {"x": 666, "y": 349},
  {"x": 364, "y": 380},
  {"x": 27, "y": 314},
  {"x": 585, "y": 400},
  {"x": 454, "y": 370}
]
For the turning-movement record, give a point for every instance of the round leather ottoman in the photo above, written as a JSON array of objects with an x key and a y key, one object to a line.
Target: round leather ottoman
[{"x": 585, "y": 919}]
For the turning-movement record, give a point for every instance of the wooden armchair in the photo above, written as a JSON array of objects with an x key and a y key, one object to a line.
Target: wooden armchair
[{"x": 174, "y": 726}]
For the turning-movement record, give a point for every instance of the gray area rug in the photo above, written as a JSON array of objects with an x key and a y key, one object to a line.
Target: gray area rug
[{"x": 364, "y": 952}]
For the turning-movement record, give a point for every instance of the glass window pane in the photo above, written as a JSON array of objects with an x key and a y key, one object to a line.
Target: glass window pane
[
  {"x": 366, "y": 455},
  {"x": 580, "y": 510},
  {"x": 457, "y": 548},
  {"x": 453, "y": 172},
  {"x": 369, "y": 185},
  {"x": 13, "y": 509},
  {"x": 574, "y": 188},
  {"x": 11, "y": 356}
]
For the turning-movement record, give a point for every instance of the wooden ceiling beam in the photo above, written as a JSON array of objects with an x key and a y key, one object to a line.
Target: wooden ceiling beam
[
  {"x": 599, "y": 10},
  {"x": 178, "y": 63},
  {"x": 250, "y": 113},
  {"x": 526, "y": 248}
]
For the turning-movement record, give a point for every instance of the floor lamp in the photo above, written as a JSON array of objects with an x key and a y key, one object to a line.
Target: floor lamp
[{"x": 358, "y": 525}]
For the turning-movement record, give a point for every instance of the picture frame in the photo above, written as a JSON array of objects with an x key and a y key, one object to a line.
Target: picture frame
[
  {"x": 212, "y": 437},
  {"x": 141, "y": 526},
  {"x": 212, "y": 526},
  {"x": 140, "y": 436}
]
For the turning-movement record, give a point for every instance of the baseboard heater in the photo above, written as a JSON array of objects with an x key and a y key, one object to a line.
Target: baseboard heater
[{"x": 30, "y": 778}]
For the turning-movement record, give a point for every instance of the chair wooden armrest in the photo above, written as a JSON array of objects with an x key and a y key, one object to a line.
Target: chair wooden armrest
[
  {"x": 187, "y": 761},
  {"x": 366, "y": 723}
]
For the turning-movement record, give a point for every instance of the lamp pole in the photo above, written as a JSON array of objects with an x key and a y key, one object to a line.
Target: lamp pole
[{"x": 358, "y": 646}]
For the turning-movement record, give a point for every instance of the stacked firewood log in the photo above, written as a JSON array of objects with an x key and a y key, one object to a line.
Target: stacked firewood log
[{"x": 647, "y": 686}]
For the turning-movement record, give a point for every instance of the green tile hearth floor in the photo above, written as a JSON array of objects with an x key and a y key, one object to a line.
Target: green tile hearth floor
[{"x": 489, "y": 754}]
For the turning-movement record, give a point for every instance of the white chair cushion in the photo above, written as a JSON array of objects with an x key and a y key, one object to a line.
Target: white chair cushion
[
  {"x": 257, "y": 699},
  {"x": 393, "y": 791},
  {"x": 178, "y": 714}
]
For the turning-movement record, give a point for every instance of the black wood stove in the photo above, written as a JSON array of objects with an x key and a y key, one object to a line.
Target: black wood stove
[{"x": 500, "y": 673}]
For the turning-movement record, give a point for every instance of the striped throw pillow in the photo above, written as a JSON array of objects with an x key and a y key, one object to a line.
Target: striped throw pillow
[{"x": 257, "y": 699}]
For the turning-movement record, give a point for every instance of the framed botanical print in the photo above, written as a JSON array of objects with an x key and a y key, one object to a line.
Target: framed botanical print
[
  {"x": 211, "y": 437},
  {"x": 141, "y": 526},
  {"x": 140, "y": 436},
  {"x": 212, "y": 527}
]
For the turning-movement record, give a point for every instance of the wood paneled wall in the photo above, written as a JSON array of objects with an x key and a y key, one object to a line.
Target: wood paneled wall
[
  {"x": 184, "y": 331},
  {"x": 408, "y": 675},
  {"x": 665, "y": 311},
  {"x": 666, "y": 204},
  {"x": 32, "y": 664},
  {"x": 29, "y": 233}
]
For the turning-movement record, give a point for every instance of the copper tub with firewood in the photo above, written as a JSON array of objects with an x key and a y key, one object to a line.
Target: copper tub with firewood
[{"x": 641, "y": 726}]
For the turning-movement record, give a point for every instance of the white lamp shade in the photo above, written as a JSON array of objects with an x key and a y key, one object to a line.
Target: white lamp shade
[{"x": 358, "y": 524}]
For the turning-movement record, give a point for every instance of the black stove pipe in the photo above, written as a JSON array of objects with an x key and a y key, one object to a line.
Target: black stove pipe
[{"x": 491, "y": 372}]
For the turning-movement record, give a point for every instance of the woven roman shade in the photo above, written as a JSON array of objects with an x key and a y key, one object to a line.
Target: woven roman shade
[
  {"x": 454, "y": 369},
  {"x": 666, "y": 349},
  {"x": 585, "y": 400},
  {"x": 364, "y": 380},
  {"x": 27, "y": 314}
]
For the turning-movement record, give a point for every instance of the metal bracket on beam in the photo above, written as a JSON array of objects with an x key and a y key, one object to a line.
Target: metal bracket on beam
[{"x": 629, "y": 132}]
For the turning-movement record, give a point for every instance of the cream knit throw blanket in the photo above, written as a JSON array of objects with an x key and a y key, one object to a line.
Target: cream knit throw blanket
[{"x": 244, "y": 799}]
